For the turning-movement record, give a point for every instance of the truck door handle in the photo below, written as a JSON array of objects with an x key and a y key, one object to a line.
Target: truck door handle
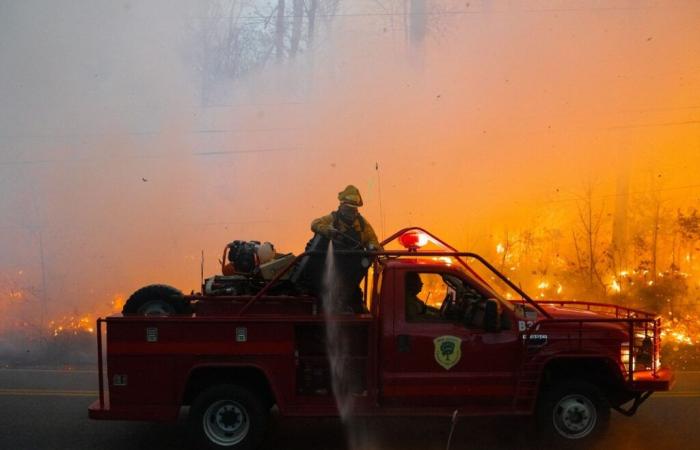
[{"x": 403, "y": 342}]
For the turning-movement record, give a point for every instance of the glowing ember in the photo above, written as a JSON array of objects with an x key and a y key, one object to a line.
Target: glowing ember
[
  {"x": 615, "y": 285},
  {"x": 72, "y": 325},
  {"x": 118, "y": 303},
  {"x": 681, "y": 332}
]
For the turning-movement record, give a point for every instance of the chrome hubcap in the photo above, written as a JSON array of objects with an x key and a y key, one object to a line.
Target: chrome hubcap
[
  {"x": 574, "y": 416},
  {"x": 226, "y": 422}
]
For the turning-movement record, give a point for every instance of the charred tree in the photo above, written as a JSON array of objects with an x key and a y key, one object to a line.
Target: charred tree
[
  {"x": 590, "y": 222},
  {"x": 297, "y": 21},
  {"x": 236, "y": 37},
  {"x": 279, "y": 31},
  {"x": 311, "y": 27},
  {"x": 417, "y": 22}
]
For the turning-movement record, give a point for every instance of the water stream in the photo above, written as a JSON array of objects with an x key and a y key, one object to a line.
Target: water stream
[{"x": 343, "y": 379}]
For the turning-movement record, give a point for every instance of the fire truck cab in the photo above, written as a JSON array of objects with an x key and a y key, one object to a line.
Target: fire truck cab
[{"x": 436, "y": 337}]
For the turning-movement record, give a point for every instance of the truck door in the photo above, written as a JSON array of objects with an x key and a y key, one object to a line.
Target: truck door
[{"x": 438, "y": 353}]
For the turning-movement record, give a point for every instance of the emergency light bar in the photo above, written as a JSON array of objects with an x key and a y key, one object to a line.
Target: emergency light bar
[{"x": 413, "y": 240}]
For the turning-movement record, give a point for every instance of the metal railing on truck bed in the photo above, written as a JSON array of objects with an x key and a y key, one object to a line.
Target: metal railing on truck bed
[
  {"x": 643, "y": 329},
  {"x": 576, "y": 338},
  {"x": 450, "y": 252}
]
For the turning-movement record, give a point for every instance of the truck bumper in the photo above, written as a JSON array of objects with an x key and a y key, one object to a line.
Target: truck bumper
[
  {"x": 646, "y": 381},
  {"x": 155, "y": 413}
]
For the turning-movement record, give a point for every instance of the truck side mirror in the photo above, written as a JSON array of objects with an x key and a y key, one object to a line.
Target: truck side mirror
[{"x": 492, "y": 315}]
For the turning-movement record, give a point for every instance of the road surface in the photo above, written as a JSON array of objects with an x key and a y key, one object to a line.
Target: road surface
[{"x": 47, "y": 409}]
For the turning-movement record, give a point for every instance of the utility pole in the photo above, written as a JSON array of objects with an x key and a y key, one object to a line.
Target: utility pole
[{"x": 42, "y": 260}]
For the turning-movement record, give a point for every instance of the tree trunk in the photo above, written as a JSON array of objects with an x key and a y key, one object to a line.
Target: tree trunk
[
  {"x": 279, "y": 31},
  {"x": 654, "y": 246},
  {"x": 311, "y": 13},
  {"x": 619, "y": 229},
  {"x": 298, "y": 13},
  {"x": 418, "y": 22}
]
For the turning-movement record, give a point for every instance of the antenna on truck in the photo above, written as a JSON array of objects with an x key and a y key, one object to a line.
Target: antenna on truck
[{"x": 379, "y": 193}]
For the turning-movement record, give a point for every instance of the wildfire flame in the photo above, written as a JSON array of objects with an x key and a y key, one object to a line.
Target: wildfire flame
[
  {"x": 118, "y": 303},
  {"x": 72, "y": 325},
  {"x": 615, "y": 285},
  {"x": 83, "y": 323},
  {"x": 685, "y": 332}
]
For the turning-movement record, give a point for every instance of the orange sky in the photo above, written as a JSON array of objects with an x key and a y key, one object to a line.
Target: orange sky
[{"x": 498, "y": 122}]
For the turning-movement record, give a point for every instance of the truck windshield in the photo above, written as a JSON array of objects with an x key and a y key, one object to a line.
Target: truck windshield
[{"x": 484, "y": 276}]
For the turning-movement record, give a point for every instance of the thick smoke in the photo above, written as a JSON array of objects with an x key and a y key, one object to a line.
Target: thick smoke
[{"x": 119, "y": 164}]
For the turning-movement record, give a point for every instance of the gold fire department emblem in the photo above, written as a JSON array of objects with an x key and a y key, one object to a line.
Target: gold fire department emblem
[{"x": 448, "y": 351}]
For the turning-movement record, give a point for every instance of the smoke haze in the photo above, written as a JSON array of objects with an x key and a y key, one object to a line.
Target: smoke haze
[{"x": 116, "y": 170}]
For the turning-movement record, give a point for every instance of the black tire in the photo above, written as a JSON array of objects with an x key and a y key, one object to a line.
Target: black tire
[
  {"x": 572, "y": 412},
  {"x": 156, "y": 300},
  {"x": 227, "y": 416}
]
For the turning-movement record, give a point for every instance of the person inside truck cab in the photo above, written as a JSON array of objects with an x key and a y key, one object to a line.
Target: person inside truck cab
[
  {"x": 414, "y": 306},
  {"x": 460, "y": 302},
  {"x": 418, "y": 310}
]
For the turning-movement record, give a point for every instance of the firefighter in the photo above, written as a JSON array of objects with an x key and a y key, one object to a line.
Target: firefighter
[
  {"x": 348, "y": 230},
  {"x": 346, "y": 227}
]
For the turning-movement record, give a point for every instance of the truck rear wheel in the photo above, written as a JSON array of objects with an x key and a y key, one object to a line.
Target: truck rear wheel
[
  {"x": 572, "y": 411},
  {"x": 156, "y": 300},
  {"x": 227, "y": 417}
]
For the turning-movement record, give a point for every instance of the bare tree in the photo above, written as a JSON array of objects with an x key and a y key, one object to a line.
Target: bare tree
[
  {"x": 688, "y": 229},
  {"x": 280, "y": 30},
  {"x": 298, "y": 13},
  {"x": 655, "y": 239},
  {"x": 236, "y": 37},
  {"x": 589, "y": 254},
  {"x": 505, "y": 249},
  {"x": 417, "y": 21}
]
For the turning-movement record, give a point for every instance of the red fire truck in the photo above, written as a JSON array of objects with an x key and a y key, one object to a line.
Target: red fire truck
[{"x": 455, "y": 342}]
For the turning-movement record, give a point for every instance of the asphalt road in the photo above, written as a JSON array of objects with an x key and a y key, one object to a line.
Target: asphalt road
[{"x": 47, "y": 409}]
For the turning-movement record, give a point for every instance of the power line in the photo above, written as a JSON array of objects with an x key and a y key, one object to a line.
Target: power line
[
  {"x": 658, "y": 124},
  {"x": 145, "y": 133},
  {"x": 649, "y": 191},
  {"x": 261, "y": 150},
  {"x": 141, "y": 157}
]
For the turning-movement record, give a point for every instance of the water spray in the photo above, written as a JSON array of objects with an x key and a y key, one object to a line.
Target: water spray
[
  {"x": 334, "y": 340},
  {"x": 337, "y": 346}
]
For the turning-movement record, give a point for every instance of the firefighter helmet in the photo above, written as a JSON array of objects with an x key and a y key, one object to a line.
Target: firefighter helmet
[{"x": 350, "y": 196}]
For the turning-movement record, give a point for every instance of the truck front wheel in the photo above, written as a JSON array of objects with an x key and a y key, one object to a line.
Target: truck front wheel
[
  {"x": 227, "y": 416},
  {"x": 572, "y": 411}
]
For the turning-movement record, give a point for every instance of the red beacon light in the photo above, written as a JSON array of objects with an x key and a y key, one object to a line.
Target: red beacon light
[{"x": 413, "y": 240}]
